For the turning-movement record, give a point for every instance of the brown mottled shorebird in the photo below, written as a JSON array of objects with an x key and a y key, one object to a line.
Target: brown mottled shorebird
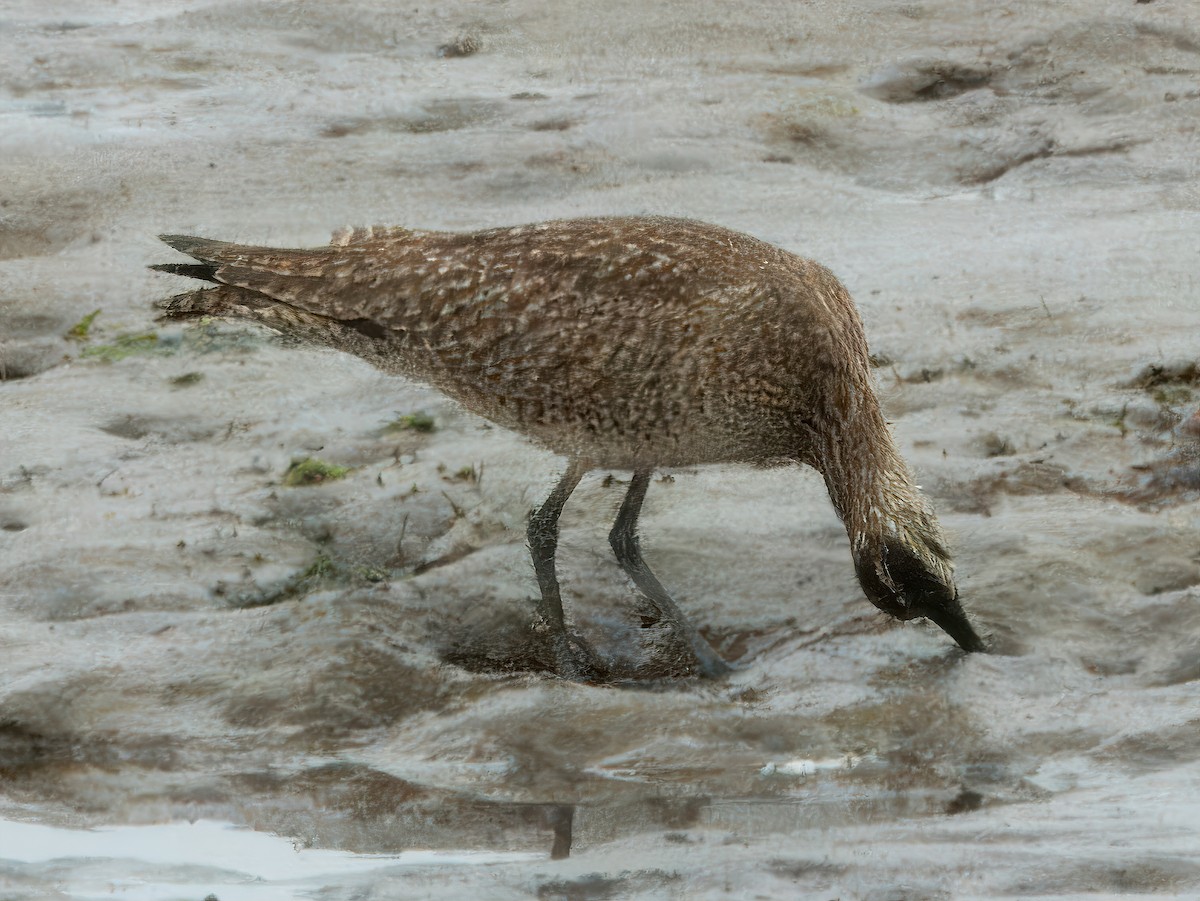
[{"x": 620, "y": 343}]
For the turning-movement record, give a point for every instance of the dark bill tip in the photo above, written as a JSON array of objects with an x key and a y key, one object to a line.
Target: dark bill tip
[{"x": 953, "y": 621}]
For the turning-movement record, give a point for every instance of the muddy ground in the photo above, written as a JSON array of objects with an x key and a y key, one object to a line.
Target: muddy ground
[{"x": 1011, "y": 194}]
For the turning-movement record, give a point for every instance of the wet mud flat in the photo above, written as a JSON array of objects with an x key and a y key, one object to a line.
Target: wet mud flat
[{"x": 245, "y": 585}]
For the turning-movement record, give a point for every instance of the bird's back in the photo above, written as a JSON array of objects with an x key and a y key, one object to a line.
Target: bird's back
[{"x": 622, "y": 340}]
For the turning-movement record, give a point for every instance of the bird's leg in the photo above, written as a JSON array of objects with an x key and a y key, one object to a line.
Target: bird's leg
[
  {"x": 574, "y": 657},
  {"x": 624, "y": 541}
]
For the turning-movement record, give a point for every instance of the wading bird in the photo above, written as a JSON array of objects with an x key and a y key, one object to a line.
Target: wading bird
[{"x": 619, "y": 343}]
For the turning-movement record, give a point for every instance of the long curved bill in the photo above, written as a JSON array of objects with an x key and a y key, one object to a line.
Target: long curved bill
[{"x": 953, "y": 621}]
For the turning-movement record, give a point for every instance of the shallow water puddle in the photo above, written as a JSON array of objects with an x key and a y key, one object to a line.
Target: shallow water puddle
[
  {"x": 204, "y": 858},
  {"x": 804, "y": 767}
]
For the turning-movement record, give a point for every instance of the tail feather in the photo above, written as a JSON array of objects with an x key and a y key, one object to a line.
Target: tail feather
[
  {"x": 204, "y": 249},
  {"x": 208, "y": 252},
  {"x": 261, "y": 280},
  {"x": 291, "y": 276},
  {"x": 204, "y": 271}
]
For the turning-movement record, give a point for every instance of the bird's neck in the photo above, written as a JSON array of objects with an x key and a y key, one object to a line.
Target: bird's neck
[{"x": 869, "y": 483}]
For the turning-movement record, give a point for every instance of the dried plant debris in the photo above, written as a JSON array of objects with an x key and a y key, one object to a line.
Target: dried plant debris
[
  {"x": 321, "y": 573},
  {"x": 1021, "y": 478},
  {"x": 1173, "y": 478},
  {"x": 1157, "y": 375},
  {"x": 995, "y": 445},
  {"x": 187, "y": 380},
  {"x": 464, "y": 45},
  {"x": 925, "y": 80}
]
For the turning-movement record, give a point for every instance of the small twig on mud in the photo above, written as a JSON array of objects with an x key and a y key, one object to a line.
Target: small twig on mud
[
  {"x": 400, "y": 541},
  {"x": 458, "y": 511}
]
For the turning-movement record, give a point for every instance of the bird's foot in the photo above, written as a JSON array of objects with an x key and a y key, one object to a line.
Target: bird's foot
[
  {"x": 575, "y": 659},
  {"x": 709, "y": 663}
]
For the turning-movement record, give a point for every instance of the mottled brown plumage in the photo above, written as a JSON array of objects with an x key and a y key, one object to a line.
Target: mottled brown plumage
[{"x": 623, "y": 343}]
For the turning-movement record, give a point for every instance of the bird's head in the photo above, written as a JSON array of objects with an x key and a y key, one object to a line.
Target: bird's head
[{"x": 911, "y": 579}]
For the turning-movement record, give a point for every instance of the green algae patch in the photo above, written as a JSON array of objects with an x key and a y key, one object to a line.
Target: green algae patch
[
  {"x": 187, "y": 380},
  {"x": 130, "y": 346},
  {"x": 311, "y": 471},
  {"x": 319, "y": 570},
  {"x": 208, "y": 336},
  {"x": 79, "y": 331},
  {"x": 411, "y": 422},
  {"x": 321, "y": 573}
]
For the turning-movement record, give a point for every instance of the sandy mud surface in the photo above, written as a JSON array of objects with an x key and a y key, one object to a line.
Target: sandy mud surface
[{"x": 191, "y": 633}]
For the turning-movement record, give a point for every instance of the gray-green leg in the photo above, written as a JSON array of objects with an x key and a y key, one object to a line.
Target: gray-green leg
[
  {"x": 624, "y": 541},
  {"x": 574, "y": 658}
]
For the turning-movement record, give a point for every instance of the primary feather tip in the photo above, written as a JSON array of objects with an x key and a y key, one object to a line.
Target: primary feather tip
[
  {"x": 191, "y": 270},
  {"x": 191, "y": 245}
]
